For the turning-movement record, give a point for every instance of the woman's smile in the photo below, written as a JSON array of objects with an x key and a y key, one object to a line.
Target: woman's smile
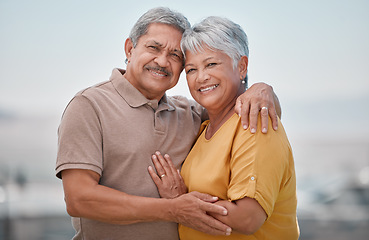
[{"x": 209, "y": 88}]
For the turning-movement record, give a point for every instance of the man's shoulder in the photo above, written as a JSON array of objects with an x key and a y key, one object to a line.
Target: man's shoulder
[
  {"x": 183, "y": 102},
  {"x": 95, "y": 89}
]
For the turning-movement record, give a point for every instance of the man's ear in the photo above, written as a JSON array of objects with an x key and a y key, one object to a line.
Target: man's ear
[
  {"x": 242, "y": 66},
  {"x": 128, "y": 47}
]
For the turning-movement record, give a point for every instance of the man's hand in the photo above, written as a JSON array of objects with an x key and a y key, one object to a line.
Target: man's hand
[
  {"x": 191, "y": 210},
  {"x": 260, "y": 97}
]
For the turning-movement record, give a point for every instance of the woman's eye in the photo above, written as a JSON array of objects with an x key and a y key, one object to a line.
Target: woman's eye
[
  {"x": 211, "y": 64},
  {"x": 190, "y": 70}
]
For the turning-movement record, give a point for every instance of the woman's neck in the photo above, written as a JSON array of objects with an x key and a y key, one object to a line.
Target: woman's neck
[
  {"x": 216, "y": 121},
  {"x": 218, "y": 118}
]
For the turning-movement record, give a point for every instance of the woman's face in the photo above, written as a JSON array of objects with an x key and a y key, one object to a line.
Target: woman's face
[{"x": 212, "y": 80}]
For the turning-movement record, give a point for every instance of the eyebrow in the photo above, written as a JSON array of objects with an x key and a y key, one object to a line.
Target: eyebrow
[
  {"x": 161, "y": 45},
  {"x": 205, "y": 60}
]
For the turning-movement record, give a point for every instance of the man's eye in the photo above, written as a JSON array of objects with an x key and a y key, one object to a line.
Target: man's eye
[
  {"x": 175, "y": 55},
  {"x": 153, "y": 47}
]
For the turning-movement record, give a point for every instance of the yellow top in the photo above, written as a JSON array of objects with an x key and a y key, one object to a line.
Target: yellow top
[{"x": 234, "y": 164}]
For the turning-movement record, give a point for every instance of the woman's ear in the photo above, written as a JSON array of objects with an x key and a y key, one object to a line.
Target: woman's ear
[
  {"x": 242, "y": 66},
  {"x": 128, "y": 47}
]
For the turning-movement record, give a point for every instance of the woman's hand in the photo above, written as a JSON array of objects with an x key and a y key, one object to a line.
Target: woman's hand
[{"x": 168, "y": 180}]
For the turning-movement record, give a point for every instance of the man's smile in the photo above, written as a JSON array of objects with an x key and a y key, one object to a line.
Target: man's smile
[{"x": 158, "y": 71}]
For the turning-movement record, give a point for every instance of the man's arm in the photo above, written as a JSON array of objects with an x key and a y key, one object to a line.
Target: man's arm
[
  {"x": 85, "y": 197},
  {"x": 260, "y": 97}
]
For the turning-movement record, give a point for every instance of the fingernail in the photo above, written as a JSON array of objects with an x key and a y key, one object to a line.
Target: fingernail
[
  {"x": 239, "y": 115},
  {"x": 245, "y": 127},
  {"x": 166, "y": 155},
  {"x": 225, "y": 212},
  {"x": 228, "y": 231},
  {"x": 264, "y": 130},
  {"x": 154, "y": 156},
  {"x": 253, "y": 130},
  {"x": 157, "y": 152},
  {"x": 276, "y": 128}
]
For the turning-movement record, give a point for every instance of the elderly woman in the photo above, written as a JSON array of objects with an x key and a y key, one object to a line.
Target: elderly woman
[{"x": 253, "y": 175}]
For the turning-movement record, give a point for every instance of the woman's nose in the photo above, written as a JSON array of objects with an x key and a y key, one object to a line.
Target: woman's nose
[{"x": 202, "y": 76}]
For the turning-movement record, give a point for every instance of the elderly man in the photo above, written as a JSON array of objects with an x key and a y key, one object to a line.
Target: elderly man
[{"x": 109, "y": 132}]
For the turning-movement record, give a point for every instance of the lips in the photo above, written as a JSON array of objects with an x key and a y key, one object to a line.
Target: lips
[{"x": 208, "y": 88}]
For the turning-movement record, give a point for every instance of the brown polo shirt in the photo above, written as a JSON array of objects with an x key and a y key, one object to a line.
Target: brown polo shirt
[{"x": 112, "y": 129}]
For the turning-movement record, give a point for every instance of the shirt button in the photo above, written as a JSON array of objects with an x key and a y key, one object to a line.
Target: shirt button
[{"x": 252, "y": 178}]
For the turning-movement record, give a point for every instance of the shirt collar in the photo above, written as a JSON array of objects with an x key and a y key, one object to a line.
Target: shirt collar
[{"x": 135, "y": 98}]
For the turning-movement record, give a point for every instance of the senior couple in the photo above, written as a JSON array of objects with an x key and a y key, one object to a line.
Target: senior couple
[{"x": 238, "y": 179}]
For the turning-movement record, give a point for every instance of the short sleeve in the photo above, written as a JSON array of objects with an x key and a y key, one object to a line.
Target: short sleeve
[
  {"x": 258, "y": 166},
  {"x": 79, "y": 137}
]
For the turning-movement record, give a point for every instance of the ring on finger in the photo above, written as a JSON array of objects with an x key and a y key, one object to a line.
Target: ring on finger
[
  {"x": 264, "y": 108},
  {"x": 163, "y": 175}
]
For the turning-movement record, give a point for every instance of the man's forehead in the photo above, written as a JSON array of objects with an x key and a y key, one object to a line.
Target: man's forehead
[
  {"x": 163, "y": 44},
  {"x": 162, "y": 32}
]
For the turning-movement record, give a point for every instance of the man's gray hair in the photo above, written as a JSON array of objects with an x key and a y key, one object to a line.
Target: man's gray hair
[
  {"x": 158, "y": 15},
  {"x": 218, "y": 34}
]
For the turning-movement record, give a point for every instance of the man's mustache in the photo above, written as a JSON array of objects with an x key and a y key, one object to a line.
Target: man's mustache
[{"x": 158, "y": 68}]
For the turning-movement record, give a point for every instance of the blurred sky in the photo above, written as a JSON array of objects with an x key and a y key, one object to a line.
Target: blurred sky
[{"x": 314, "y": 53}]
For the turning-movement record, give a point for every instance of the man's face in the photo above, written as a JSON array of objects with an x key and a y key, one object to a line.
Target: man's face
[{"x": 156, "y": 62}]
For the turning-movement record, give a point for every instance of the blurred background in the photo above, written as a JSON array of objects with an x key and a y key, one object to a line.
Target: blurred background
[{"x": 314, "y": 53}]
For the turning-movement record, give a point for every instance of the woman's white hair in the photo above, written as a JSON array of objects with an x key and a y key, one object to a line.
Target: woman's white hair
[{"x": 218, "y": 34}]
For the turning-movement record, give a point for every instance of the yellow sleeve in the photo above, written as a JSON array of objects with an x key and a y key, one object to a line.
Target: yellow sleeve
[{"x": 258, "y": 165}]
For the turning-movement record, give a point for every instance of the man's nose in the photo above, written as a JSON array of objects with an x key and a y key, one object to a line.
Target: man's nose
[{"x": 162, "y": 59}]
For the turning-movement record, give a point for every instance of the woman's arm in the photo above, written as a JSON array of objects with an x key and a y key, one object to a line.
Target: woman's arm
[{"x": 244, "y": 216}]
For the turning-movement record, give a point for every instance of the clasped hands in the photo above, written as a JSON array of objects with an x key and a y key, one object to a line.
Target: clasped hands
[{"x": 194, "y": 209}]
